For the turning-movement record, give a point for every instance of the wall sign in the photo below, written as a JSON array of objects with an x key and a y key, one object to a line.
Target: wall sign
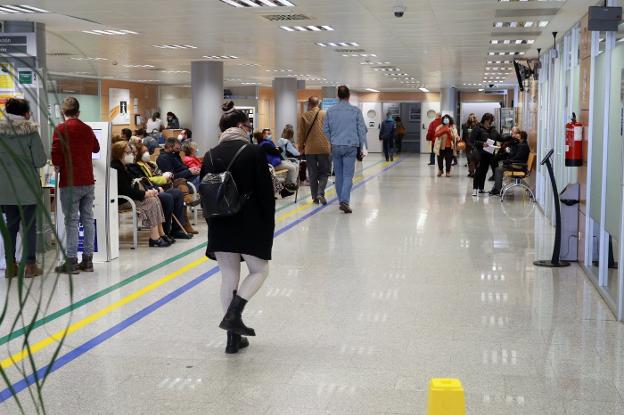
[{"x": 118, "y": 100}]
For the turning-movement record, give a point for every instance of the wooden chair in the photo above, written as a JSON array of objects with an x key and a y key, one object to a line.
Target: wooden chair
[{"x": 519, "y": 175}]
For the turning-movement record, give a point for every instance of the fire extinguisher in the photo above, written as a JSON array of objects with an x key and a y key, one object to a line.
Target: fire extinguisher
[{"x": 574, "y": 143}]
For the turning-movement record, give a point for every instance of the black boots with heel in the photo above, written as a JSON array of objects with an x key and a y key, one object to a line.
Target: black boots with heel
[
  {"x": 232, "y": 321},
  {"x": 235, "y": 342}
]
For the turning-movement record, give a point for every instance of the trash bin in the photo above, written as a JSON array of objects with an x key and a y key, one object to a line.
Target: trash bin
[{"x": 569, "y": 198}]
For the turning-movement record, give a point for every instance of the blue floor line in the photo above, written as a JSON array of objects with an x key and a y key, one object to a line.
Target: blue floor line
[{"x": 102, "y": 337}]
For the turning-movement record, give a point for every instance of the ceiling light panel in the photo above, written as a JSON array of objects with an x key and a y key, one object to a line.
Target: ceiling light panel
[
  {"x": 258, "y": 3},
  {"x": 20, "y": 9},
  {"x": 529, "y": 24},
  {"x": 505, "y": 53},
  {"x": 167, "y": 71},
  {"x": 307, "y": 28},
  {"x": 512, "y": 41},
  {"x": 279, "y": 70},
  {"x": 86, "y": 58},
  {"x": 338, "y": 44},
  {"x": 138, "y": 66},
  {"x": 224, "y": 57},
  {"x": 359, "y": 55},
  {"x": 99, "y": 32},
  {"x": 175, "y": 46}
]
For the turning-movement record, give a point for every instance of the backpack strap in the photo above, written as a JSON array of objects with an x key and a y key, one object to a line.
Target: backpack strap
[{"x": 238, "y": 153}]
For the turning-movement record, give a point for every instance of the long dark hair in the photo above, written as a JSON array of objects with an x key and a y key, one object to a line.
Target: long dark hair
[
  {"x": 451, "y": 120},
  {"x": 231, "y": 117}
]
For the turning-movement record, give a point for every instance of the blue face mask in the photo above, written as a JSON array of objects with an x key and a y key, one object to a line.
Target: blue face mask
[
  {"x": 269, "y": 137},
  {"x": 445, "y": 121}
]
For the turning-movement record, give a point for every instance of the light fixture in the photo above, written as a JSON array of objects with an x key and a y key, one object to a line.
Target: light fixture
[
  {"x": 86, "y": 58},
  {"x": 358, "y": 55},
  {"x": 148, "y": 80},
  {"x": 481, "y": 90},
  {"x": 278, "y": 70},
  {"x": 258, "y": 3},
  {"x": 371, "y": 90},
  {"x": 213, "y": 57},
  {"x": 175, "y": 46},
  {"x": 165, "y": 71},
  {"x": 423, "y": 89},
  {"x": 138, "y": 66},
  {"x": 24, "y": 8},
  {"x": 249, "y": 64},
  {"x": 338, "y": 44},
  {"x": 99, "y": 32},
  {"x": 307, "y": 29}
]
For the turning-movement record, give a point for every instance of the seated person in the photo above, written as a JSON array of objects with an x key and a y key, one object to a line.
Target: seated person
[
  {"x": 150, "y": 210},
  {"x": 189, "y": 148},
  {"x": 274, "y": 158},
  {"x": 172, "y": 200},
  {"x": 169, "y": 160},
  {"x": 151, "y": 170},
  {"x": 185, "y": 135},
  {"x": 285, "y": 143},
  {"x": 518, "y": 153},
  {"x": 126, "y": 134}
]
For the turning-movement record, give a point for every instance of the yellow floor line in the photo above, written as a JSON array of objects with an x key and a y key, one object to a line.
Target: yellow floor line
[{"x": 56, "y": 337}]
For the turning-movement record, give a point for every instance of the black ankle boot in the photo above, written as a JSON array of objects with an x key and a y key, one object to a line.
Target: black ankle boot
[
  {"x": 235, "y": 342},
  {"x": 233, "y": 321}
]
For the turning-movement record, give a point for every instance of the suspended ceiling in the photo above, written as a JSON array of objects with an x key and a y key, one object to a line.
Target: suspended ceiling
[{"x": 437, "y": 43}]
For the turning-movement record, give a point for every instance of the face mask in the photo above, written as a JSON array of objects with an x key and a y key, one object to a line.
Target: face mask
[
  {"x": 180, "y": 137},
  {"x": 145, "y": 157},
  {"x": 445, "y": 121},
  {"x": 269, "y": 137},
  {"x": 128, "y": 159}
]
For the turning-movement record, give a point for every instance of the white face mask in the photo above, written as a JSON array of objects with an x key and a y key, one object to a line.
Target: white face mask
[
  {"x": 145, "y": 157},
  {"x": 128, "y": 159},
  {"x": 180, "y": 137}
]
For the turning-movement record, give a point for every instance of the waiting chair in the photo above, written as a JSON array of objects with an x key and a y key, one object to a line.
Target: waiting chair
[
  {"x": 135, "y": 213},
  {"x": 518, "y": 176}
]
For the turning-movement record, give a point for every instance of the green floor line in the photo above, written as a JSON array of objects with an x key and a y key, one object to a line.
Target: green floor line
[{"x": 19, "y": 332}]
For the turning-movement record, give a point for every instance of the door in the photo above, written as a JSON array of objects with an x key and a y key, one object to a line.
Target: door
[
  {"x": 372, "y": 117},
  {"x": 411, "y": 115}
]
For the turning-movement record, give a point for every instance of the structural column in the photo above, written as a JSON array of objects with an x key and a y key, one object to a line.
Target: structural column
[
  {"x": 448, "y": 102},
  {"x": 285, "y": 90},
  {"x": 207, "y": 91}
]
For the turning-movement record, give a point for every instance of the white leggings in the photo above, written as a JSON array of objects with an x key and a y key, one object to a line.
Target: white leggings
[{"x": 230, "y": 265}]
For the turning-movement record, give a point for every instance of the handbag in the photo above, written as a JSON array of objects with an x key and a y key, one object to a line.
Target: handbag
[{"x": 219, "y": 193}]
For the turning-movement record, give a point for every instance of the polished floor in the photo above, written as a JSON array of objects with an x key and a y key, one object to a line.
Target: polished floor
[{"x": 359, "y": 311}]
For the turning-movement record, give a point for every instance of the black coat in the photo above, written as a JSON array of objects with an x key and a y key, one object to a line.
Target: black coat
[
  {"x": 480, "y": 135},
  {"x": 124, "y": 182},
  {"x": 171, "y": 162},
  {"x": 249, "y": 232}
]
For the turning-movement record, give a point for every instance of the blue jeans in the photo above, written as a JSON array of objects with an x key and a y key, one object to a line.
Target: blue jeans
[
  {"x": 77, "y": 202},
  {"x": 26, "y": 215},
  {"x": 344, "y": 158}
]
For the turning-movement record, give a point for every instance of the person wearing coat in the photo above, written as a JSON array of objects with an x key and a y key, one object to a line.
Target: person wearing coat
[
  {"x": 445, "y": 146},
  {"x": 480, "y": 135},
  {"x": 386, "y": 135},
  {"x": 21, "y": 156},
  {"x": 467, "y": 129},
  {"x": 246, "y": 236},
  {"x": 147, "y": 202}
]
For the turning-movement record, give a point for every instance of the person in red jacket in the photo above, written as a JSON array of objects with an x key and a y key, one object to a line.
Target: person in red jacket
[
  {"x": 72, "y": 147},
  {"x": 431, "y": 136}
]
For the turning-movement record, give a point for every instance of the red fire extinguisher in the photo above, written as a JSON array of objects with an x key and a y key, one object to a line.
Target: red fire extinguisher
[{"x": 574, "y": 143}]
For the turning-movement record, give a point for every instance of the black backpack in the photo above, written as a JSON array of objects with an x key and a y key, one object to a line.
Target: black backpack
[{"x": 218, "y": 192}]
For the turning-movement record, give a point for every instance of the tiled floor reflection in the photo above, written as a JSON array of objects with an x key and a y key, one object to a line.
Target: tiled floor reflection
[{"x": 360, "y": 311}]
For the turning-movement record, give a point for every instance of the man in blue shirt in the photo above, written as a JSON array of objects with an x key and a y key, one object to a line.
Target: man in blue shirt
[{"x": 345, "y": 127}]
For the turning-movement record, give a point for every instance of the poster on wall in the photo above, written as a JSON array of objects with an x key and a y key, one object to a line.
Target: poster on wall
[{"x": 118, "y": 100}]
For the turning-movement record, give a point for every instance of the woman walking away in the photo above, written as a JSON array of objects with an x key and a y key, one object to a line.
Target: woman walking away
[
  {"x": 445, "y": 145},
  {"x": 480, "y": 136},
  {"x": 472, "y": 158},
  {"x": 247, "y": 235}
]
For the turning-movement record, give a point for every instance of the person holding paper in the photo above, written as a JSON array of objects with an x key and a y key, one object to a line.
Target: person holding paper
[{"x": 484, "y": 136}]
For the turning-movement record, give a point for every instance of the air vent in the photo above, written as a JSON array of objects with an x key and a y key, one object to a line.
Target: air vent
[{"x": 285, "y": 17}]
